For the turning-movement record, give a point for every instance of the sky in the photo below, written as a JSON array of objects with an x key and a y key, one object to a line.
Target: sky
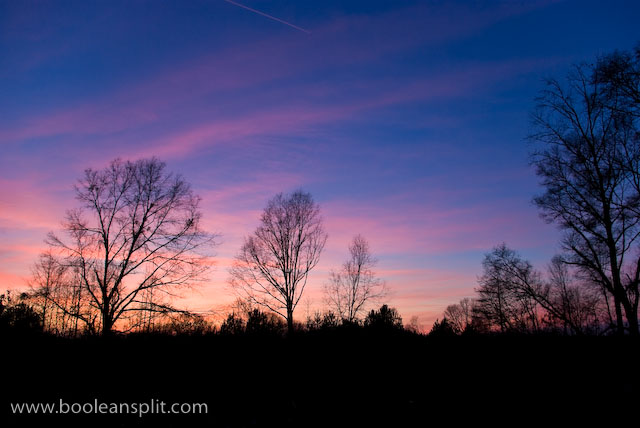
[{"x": 406, "y": 121}]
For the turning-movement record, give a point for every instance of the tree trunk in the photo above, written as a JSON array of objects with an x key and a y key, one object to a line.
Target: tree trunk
[
  {"x": 289, "y": 319},
  {"x": 632, "y": 317},
  {"x": 107, "y": 322},
  {"x": 622, "y": 302},
  {"x": 619, "y": 318},
  {"x": 44, "y": 315}
]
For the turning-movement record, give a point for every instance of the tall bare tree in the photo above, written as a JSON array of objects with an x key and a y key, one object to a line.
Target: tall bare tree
[
  {"x": 137, "y": 229},
  {"x": 355, "y": 284},
  {"x": 588, "y": 159},
  {"x": 273, "y": 265}
]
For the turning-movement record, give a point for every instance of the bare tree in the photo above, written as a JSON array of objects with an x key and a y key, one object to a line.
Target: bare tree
[
  {"x": 137, "y": 229},
  {"x": 588, "y": 162},
  {"x": 515, "y": 297},
  {"x": 48, "y": 277},
  {"x": 355, "y": 284},
  {"x": 619, "y": 75},
  {"x": 414, "y": 325},
  {"x": 56, "y": 292},
  {"x": 508, "y": 290},
  {"x": 460, "y": 314},
  {"x": 577, "y": 307},
  {"x": 273, "y": 265}
]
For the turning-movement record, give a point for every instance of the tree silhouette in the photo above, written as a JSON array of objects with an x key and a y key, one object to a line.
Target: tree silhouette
[
  {"x": 503, "y": 297},
  {"x": 588, "y": 162},
  {"x": 273, "y": 265},
  {"x": 17, "y": 316},
  {"x": 49, "y": 283},
  {"x": 355, "y": 284},
  {"x": 137, "y": 229},
  {"x": 460, "y": 315},
  {"x": 385, "y": 318},
  {"x": 619, "y": 76},
  {"x": 443, "y": 329},
  {"x": 514, "y": 297},
  {"x": 414, "y": 325},
  {"x": 233, "y": 325},
  {"x": 263, "y": 324},
  {"x": 575, "y": 306},
  {"x": 187, "y": 324}
]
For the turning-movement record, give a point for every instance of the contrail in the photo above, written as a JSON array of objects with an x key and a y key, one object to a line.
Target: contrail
[{"x": 268, "y": 16}]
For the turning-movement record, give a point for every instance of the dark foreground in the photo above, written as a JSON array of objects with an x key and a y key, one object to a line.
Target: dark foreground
[{"x": 339, "y": 379}]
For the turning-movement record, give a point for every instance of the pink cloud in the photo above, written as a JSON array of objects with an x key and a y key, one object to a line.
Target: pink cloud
[
  {"x": 29, "y": 204},
  {"x": 398, "y": 224},
  {"x": 16, "y": 259},
  {"x": 12, "y": 281},
  {"x": 291, "y": 118}
]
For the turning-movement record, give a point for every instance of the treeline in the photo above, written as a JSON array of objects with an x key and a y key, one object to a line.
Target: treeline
[
  {"x": 256, "y": 322},
  {"x": 29, "y": 313},
  {"x": 513, "y": 297}
]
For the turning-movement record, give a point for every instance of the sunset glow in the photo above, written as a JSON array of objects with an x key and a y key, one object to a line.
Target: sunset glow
[{"x": 406, "y": 121}]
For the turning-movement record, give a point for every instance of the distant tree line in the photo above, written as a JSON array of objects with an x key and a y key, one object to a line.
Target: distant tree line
[
  {"x": 513, "y": 297},
  {"x": 22, "y": 313},
  {"x": 252, "y": 321}
]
